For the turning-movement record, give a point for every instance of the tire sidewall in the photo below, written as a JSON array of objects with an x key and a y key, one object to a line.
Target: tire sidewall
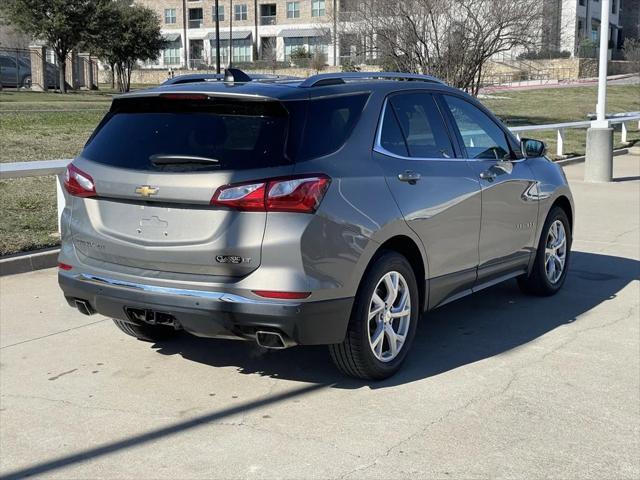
[
  {"x": 386, "y": 262},
  {"x": 555, "y": 214}
]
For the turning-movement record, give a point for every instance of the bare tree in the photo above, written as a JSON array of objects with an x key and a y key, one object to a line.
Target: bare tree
[{"x": 451, "y": 39}]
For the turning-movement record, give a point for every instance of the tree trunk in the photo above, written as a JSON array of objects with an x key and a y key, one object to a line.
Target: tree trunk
[
  {"x": 62, "y": 71},
  {"x": 113, "y": 76}
]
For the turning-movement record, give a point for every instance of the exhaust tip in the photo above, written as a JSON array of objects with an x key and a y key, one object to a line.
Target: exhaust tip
[
  {"x": 272, "y": 340},
  {"x": 84, "y": 307}
]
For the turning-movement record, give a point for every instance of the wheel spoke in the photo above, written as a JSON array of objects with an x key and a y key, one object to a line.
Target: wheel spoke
[
  {"x": 376, "y": 311},
  {"x": 393, "y": 340},
  {"x": 391, "y": 281},
  {"x": 403, "y": 308},
  {"x": 377, "y": 337}
]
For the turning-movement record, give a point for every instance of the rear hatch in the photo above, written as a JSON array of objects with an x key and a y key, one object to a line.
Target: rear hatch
[{"x": 156, "y": 163}]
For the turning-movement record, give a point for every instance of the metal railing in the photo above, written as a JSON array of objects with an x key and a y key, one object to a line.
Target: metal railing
[
  {"x": 268, "y": 20},
  {"x": 561, "y": 127},
  {"x": 42, "y": 168}
]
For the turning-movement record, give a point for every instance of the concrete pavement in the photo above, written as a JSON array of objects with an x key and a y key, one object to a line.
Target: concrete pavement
[{"x": 498, "y": 385}]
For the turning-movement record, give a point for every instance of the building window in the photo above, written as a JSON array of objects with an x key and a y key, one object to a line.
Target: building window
[
  {"x": 268, "y": 14},
  {"x": 291, "y": 44},
  {"x": 240, "y": 12},
  {"x": 293, "y": 9},
  {"x": 613, "y": 6},
  {"x": 170, "y": 15},
  {"x": 195, "y": 17},
  {"x": 318, "y": 45},
  {"x": 242, "y": 50},
  {"x": 317, "y": 8},
  {"x": 220, "y": 13},
  {"x": 582, "y": 2},
  {"x": 172, "y": 54}
]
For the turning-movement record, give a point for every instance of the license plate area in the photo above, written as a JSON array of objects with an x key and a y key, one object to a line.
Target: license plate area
[{"x": 150, "y": 317}]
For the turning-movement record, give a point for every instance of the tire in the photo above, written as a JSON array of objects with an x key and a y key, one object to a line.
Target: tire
[
  {"x": 538, "y": 282},
  {"x": 26, "y": 82},
  {"x": 147, "y": 333},
  {"x": 355, "y": 356}
]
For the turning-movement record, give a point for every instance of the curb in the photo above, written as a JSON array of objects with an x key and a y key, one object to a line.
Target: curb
[{"x": 29, "y": 261}]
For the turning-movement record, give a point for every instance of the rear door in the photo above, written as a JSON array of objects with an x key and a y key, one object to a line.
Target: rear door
[
  {"x": 156, "y": 164},
  {"x": 509, "y": 211},
  {"x": 437, "y": 193}
]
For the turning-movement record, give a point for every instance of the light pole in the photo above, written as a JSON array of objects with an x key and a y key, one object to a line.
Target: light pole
[
  {"x": 231, "y": 33},
  {"x": 217, "y": 37},
  {"x": 184, "y": 34},
  {"x": 599, "y": 154}
]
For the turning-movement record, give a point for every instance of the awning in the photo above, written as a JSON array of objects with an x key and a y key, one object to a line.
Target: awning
[
  {"x": 171, "y": 37},
  {"x": 237, "y": 35},
  {"x": 303, "y": 32}
]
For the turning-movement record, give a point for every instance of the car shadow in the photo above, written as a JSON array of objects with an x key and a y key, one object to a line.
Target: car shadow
[{"x": 480, "y": 326}]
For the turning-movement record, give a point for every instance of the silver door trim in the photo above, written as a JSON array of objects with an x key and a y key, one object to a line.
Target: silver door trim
[{"x": 377, "y": 147}]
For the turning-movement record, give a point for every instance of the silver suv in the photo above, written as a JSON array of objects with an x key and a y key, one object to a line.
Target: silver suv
[{"x": 333, "y": 210}]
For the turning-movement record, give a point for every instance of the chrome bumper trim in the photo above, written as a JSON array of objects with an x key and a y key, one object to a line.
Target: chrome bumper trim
[{"x": 209, "y": 295}]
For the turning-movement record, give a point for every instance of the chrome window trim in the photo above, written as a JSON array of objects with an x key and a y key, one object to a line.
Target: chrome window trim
[
  {"x": 223, "y": 297},
  {"x": 377, "y": 147}
]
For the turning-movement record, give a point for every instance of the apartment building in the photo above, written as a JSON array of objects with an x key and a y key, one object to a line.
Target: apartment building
[
  {"x": 574, "y": 25},
  {"x": 250, "y": 30}
]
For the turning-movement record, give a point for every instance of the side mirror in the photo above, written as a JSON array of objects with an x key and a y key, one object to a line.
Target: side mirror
[{"x": 532, "y": 148}]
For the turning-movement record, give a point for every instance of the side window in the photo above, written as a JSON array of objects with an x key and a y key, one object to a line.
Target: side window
[
  {"x": 422, "y": 125},
  {"x": 391, "y": 138},
  {"x": 329, "y": 123},
  {"x": 482, "y": 137}
]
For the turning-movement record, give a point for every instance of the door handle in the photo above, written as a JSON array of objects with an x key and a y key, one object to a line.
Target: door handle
[
  {"x": 409, "y": 176},
  {"x": 488, "y": 175}
]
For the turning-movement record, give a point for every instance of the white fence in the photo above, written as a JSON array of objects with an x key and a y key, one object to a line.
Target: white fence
[
  {"x": 57, "y": 167},
  {"x": 561, "y": 127}
]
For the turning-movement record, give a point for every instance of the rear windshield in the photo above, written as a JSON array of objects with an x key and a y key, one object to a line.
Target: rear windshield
[
  {"x": 160, "y": 134},
  {"x": 232, "y": 134}
]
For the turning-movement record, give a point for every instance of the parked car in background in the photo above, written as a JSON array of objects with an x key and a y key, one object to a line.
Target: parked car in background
[
  {"x": 16, "y": 72},
  {"x": 332, "y": 210}
]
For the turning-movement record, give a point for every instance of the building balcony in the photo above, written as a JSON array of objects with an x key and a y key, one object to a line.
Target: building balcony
[
  {"x": 196, "y": 23},
  {"x": 268, "y": 20}
]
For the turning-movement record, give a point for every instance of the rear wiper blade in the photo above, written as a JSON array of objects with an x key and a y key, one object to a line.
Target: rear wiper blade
[{"x": 161, "y": 159}]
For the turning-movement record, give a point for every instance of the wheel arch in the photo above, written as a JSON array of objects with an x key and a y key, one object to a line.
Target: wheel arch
[
  {"x": 408, "y": 248},
  {"x": 563, "y": 202}
]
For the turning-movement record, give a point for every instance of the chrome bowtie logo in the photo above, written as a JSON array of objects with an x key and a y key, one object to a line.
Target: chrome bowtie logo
[{"x": 146, "y": 190}]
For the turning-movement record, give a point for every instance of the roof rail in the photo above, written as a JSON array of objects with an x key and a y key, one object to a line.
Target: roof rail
[
  {"x": 230, "y": 75},
  {"x": 340, "y": 78}
]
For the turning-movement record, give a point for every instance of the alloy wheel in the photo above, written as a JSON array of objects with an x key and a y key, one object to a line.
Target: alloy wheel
[
  {"x": 389, "y": 316},
  {"x": 555, "y": 251}
]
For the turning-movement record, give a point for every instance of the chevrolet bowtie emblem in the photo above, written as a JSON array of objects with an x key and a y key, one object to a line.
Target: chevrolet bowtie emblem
[{"x": 146, "y": 190}]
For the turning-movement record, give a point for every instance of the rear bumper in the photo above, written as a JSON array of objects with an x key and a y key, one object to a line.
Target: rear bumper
[{"x": 213, "y": 314}]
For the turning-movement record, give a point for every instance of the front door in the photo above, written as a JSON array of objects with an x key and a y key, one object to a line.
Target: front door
[
  {"x": 509, "y": 210},
  {"x": 437, "y": 193}
]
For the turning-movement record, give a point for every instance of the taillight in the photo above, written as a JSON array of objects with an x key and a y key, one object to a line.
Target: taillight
[
  {"x": 293, "y": 194},
  {"x": 64, "y": 266},
  {"x": 78, "y": 183},
  {"x": 248, "y": 196}
]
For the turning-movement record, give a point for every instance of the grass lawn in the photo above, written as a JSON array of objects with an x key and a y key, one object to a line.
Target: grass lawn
[
  {"x": 28, "y": 205},
  {"x": 558, "y": 105}
]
